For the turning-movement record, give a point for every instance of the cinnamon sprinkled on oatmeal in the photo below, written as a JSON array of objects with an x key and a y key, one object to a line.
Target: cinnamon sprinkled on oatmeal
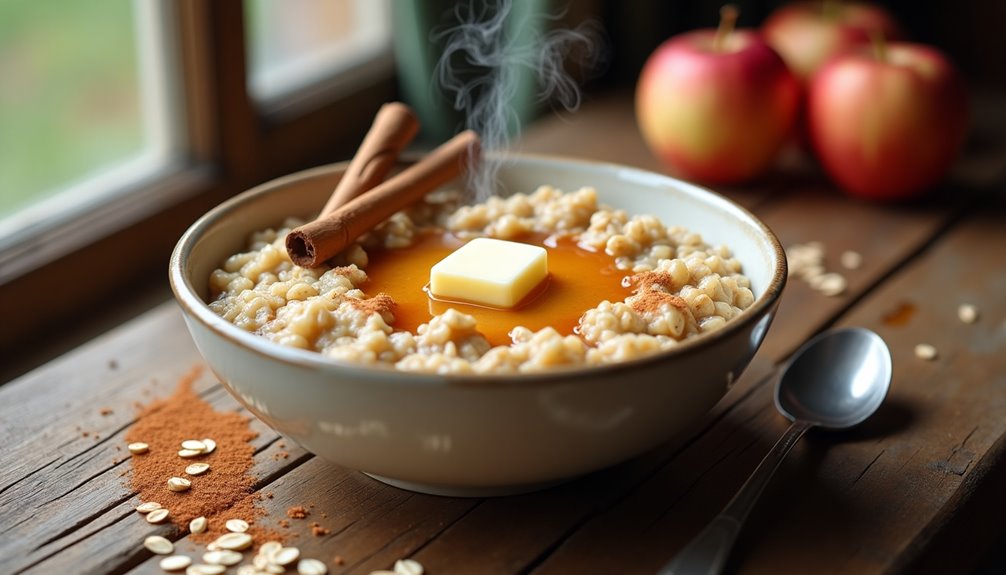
[
  {"x": 381, "y": 303},
  {"x": 655, "y": 300},
  {"x": 647, "y": 281},
  {"x": 345, "y": 271}
]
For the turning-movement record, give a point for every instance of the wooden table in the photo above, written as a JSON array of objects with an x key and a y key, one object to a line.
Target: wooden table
[{"x": 918, "y": 488}]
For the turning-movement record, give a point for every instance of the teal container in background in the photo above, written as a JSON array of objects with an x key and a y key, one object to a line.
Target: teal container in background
[{"x": 416, "y": 23}]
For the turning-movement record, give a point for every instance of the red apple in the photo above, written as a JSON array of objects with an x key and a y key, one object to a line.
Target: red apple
[
  {"x": 887, "y": 124},
  {"x": 806, "y": 34},
  {"x": 716, "y": 105}
]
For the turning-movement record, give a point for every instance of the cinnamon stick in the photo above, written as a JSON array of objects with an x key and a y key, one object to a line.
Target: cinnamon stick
[
  {"x": 313, "y": 243},
  {"x": 394, "y": 127}
]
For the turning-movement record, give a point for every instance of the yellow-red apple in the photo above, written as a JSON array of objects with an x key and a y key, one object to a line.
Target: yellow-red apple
[
  {"x": 886, "y": 124},
  {"x": 716, "y": 105},
  {"x": 807, "y": 34}
]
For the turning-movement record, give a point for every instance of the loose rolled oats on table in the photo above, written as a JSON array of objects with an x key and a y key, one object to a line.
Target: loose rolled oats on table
[
  {"x": 236, "y": 525},
  {"x": 148, "y": 506},
  {"x": 159, "y": 545},
  {"x": 138, "y": 448},
  {"x": 926, "y": 351},
  {"x": 197, "y": 468},
  {"x": 175, "y": 562},
  {"x": 807, "y": 262},
  {"x": 967, "y": 313}
]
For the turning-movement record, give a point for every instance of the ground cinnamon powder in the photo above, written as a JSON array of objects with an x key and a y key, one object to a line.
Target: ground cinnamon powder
[{"x": 225, "y": 491}]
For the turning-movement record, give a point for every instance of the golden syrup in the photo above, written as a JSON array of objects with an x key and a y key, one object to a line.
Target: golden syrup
[{"x": 578, "y": 280}]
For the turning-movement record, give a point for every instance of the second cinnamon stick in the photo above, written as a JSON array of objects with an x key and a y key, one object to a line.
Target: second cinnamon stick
[
  {"x": 312, "y": 244},
  {"x": 394, "y": 127}
]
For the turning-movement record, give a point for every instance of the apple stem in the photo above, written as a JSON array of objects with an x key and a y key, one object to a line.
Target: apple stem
[
  {"x": 728, "y": 19},
  {"x": 879, "y": 44},
  {"x": 830, "y": 8}
]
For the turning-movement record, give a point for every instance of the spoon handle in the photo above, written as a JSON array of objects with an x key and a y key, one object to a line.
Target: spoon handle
[{"x": 707, "y": 553}]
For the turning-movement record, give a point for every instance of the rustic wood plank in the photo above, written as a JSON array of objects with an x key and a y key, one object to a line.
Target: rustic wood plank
[
  {"x": 66, "y": 510},
  {"x": 869, "y": 501},
  {"x": 64, "y": 503}
]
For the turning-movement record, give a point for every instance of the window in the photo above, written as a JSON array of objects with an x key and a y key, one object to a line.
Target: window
[
  {"x": 122, "y": 122},
  {"x": 294, "y": 45},
  {"x": 87, "y": 107}
]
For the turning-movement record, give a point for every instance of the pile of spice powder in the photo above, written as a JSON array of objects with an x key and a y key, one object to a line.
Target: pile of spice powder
[{"x": 225, "y": 491}]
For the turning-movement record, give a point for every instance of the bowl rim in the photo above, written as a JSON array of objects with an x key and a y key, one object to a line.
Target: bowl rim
[{"x": 196, "y": 309}]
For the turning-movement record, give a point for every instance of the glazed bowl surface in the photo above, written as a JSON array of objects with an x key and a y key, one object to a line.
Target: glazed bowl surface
[{"x": 480, "y": 435}]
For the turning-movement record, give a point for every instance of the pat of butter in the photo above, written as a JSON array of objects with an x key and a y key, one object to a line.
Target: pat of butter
[{"x": 491, "y": 272}]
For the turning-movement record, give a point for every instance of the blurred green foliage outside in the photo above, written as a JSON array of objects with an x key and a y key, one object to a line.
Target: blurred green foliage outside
[{"x": 69, "y": 94}]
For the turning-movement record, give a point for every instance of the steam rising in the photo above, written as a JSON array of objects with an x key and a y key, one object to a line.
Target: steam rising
[{"x": 486, "y": 85}]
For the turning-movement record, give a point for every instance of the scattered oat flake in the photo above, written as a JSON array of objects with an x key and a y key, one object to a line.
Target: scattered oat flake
[
  {"x": 831, "y": 284},
  {"x": 179, "y": 484},
  {"x": 270, "y": 548},
  {"x": 148, "y": 507},
  {"x": 234, "y": 541},
  {"x": 159, "y": 545},
  {"x": 311, "y": 567},
  {"x": 408, "y": 567},
  {"x": 157, "y": 515},
  {"x": 286, "y": 556},
  {"x": 967, "y": 313},
  {"x": 925, "y": 351},
  {"x": 851, "y": 260},
  {"x": 236, "y": 525},
  {"x": 194, "y": 445},
  {"x": 222, "y": 557},
  {"x": 197, "y": 468},
  {"x": 197, "y": 525},
  {"x": 138, "y": 448},
  {"x": 175, "y": 563}
]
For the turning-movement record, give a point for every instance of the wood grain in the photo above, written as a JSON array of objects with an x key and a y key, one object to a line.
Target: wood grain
[{"x": 896, "y": 495}]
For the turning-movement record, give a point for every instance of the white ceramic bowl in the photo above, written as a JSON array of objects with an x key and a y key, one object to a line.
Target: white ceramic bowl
[{"x": 485, "y": 435}]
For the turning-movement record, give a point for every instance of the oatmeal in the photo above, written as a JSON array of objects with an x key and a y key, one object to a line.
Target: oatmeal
[{"x": 676, "y": 286}]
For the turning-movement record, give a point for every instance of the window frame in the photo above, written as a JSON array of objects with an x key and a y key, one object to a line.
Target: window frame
[{"x": 231, "y": 144}]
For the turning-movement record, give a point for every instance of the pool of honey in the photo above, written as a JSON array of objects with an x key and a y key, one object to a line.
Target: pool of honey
[{"x": 578, "y": 280}]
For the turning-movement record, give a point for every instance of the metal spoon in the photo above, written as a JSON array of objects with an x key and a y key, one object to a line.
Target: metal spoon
[{"x": 835, "y": 381}]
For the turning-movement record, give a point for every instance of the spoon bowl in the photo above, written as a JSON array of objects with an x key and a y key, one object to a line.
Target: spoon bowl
[
  {"x": 850, "y": 390},
  {"x": 836, "y": 380}
]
